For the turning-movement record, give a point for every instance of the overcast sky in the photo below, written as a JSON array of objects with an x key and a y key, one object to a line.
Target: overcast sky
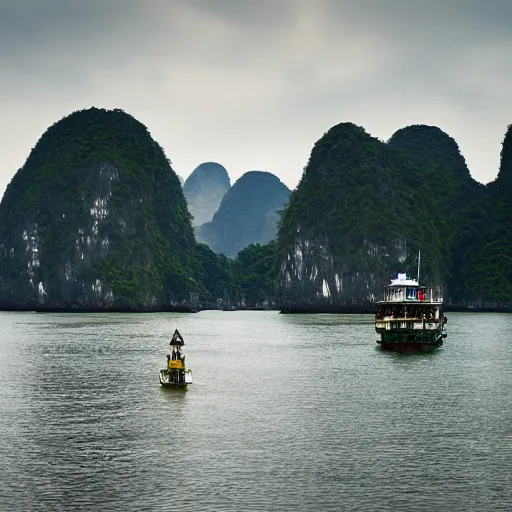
[{"x": 253, "y": 84}]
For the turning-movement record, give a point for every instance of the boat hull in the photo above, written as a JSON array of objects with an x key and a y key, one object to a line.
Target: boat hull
[
  {"x": 409, "y": 347},
  {"x": 177, "y": 379},
  {"x": 410, "y": 343}
]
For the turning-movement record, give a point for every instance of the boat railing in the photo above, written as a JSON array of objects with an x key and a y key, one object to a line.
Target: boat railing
[
  {"x": 395, "y": 293},
  {"x": 407, "y": 324},
  {"x": 426, "y": 300},
  {"x": 407, "y": 319}
]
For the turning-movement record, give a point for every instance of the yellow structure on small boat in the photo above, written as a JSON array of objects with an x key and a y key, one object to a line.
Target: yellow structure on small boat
[{"x": 176, "y": 375}]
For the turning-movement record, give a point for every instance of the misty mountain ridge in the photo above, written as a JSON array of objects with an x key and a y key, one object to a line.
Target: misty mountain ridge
[
  {"x": 204, "y": 190},
  {"x": 248, "y": 214}
]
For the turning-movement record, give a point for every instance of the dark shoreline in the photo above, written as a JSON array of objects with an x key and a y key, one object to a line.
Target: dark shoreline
[
  {"x": 335, "y": 310},
  {"x": 98, "y": 310},
  {"x": 368, "y": 311},
  {"x": 467, "y": 309}
]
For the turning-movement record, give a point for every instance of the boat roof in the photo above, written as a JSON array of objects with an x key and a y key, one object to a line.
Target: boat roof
[
  {"x": 403, "y": 280},
  {"x": 177, "y": 339}
]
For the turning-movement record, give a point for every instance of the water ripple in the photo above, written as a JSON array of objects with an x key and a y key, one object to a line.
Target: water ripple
[{"x": 286, "y": 413}]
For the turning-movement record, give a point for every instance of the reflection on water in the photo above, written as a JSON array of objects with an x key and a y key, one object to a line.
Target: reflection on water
[{"x": 286, "y": 412}]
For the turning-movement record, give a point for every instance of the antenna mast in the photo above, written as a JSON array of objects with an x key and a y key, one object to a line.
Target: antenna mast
[{"x": 419, "y": 257}]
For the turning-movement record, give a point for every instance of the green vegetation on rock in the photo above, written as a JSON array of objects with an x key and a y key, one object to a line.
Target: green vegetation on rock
[
  {"x": 96, "y": 218},
  {"x": 453, "y": 197},
  {"x": 218, "y": 278},
  {"x": 356, "y": 217},
  {"x": 487, "y": 257},
  {"x": 363, "y": 209},
  {"x": 256, "y": 274}
]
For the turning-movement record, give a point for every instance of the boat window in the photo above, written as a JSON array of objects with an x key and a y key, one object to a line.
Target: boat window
[
  {"x": 397, "y": 294},
  {"x": 411, "y": 293}
]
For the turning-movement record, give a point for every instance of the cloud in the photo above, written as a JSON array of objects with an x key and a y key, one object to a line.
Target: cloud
[{"x": 253, "y": 85}]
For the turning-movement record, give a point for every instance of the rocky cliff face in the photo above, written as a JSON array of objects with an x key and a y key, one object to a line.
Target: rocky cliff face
[
  {"x": 352, "y": 222},
  {"x": 487, "y": 261},
  {"x": 204, "y": 190},
  {"x": 452, "y": 194},
  {"x": 95, "y": 219},
  {"x": 248, "y": 213}
]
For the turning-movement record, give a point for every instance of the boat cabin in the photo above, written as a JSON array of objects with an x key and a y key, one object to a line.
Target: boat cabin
[
  {"x": 406, "y": 300},
  {"x": 404, "y": 289}
]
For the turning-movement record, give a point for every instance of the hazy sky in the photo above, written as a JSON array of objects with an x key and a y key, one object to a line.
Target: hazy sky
[{"x": 253, "y": 84}]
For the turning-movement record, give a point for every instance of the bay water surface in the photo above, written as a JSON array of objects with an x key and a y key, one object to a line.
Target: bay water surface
[{"x": 286, "y": 413}]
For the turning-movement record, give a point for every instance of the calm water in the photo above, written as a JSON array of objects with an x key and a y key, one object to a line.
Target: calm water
[{"x": 285, "y": 413}]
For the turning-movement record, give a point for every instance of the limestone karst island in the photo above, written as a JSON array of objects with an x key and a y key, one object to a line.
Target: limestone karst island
[{"x": 97, "y": 220}]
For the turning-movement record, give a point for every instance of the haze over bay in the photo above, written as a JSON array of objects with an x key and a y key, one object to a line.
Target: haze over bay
[{"x": 253, "y": 85}]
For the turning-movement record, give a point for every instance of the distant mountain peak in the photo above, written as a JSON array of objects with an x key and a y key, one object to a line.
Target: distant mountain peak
[
  {"x": 248, "y": 213},
  {"x": 204, "y": 190}
]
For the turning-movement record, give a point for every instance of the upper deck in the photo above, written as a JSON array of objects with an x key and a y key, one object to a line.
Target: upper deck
[{"x": 406, "y": 290}]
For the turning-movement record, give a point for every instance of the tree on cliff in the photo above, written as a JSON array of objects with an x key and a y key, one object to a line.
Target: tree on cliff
[
  {"x": 256, "y": 273},
  {"x": 218, "y": 278}
]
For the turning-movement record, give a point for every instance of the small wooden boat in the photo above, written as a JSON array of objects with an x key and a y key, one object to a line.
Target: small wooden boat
[{"x": 176, "y": 375}]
